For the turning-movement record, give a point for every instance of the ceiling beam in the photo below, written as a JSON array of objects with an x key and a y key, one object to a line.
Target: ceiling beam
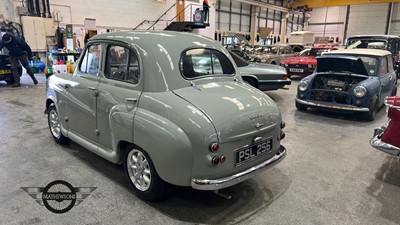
[
  {"x": 265, "y": 4},
  {"x": 324, "y": 3}
]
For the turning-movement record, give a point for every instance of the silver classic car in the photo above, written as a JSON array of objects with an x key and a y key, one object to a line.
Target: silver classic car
[
  {"x": 140, "y": 99},
  {"x": 272, "y": 54}
]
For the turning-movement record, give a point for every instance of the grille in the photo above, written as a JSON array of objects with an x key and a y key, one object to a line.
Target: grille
[{"x": 331, "y": 96}]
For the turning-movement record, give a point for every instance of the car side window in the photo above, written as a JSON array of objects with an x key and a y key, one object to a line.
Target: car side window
[
  {"x": 134, "y": 69},
  {"x": 390, "y": 63},
  {"x": 117, "y": 62},
  {"x": 383, "y": 67},
  {"x": 90, "y": 63}
]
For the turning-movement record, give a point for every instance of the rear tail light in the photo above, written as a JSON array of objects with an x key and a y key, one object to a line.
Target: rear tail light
[
  {"x": 222, "y": 159},
  {"x": 281, "y": 136},
  {"x": 285, "y": 77},
  {"x": 214, "y": 147},
  {"x": 215, "y": 160}
]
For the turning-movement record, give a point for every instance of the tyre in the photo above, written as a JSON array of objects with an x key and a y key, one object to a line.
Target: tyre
[
  {"x": 142, "y": 175},
  {"x": 394, "y": 91},
  {"x": 373, "y": 109},
  {"x": 10, "y": 81},
  {"x": 301, "y": 107},
  {"x": 54, "y": 125}
]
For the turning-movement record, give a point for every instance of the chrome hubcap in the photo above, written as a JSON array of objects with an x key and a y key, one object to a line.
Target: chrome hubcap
[
  {"x": 54, "y": 124},
  {"x": 139, "y": 170}
]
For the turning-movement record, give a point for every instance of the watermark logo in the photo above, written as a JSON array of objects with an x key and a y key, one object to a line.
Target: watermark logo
[{"x": 59, "y": 196}]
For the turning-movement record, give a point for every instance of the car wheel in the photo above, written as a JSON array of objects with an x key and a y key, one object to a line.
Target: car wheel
[
  {"x": 301, "y": 107},
  {"x": 10, "y": 81},
  {"x": 142, "y": 175},
  {"x": 373, "y": 109},
  {"x": 394, "y": 91},
  {"x": 273, "y": 63},
  {"x": 250, "y": 82},
  {"x": 54, "y": 125}
]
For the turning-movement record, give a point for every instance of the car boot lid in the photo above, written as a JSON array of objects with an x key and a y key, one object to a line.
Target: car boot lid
[{"x": 237, "y": 110}]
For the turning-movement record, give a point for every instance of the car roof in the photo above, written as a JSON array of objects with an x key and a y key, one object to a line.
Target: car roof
[
  {"x": 160, "y": 53},
  {"x": 375, "y": 35},
  {"x": 360, "y": 51}
]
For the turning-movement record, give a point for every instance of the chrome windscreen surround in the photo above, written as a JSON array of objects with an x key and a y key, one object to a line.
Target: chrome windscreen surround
[
  {"x": 377, "y": 143},
  {"x": 208, "y": 185}
]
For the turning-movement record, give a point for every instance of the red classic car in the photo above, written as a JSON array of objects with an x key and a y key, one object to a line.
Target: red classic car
[
  {"x": 386, "y": 138},
  {"x": 305, "y": 63}
]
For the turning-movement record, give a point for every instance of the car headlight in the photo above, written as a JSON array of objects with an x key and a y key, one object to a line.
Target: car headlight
[
  {"x": 359, "y": 91},
  {"x": 286, "y": 65},
  {"x": 310, "y": 66},
  {"x": 303, "y": 85}
]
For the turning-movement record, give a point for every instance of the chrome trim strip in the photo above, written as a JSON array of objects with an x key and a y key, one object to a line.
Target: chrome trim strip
[
  {"x": 205, "y": 184},
  {"x": 377, "y": 143},
  {"x": 350, "y": 108},
  {"x": 288, "y": 81}
]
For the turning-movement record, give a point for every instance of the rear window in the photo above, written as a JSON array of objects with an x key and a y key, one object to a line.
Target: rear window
[
  {"x": 366, "y": 43},
  {"x": 202, "y": 62}
]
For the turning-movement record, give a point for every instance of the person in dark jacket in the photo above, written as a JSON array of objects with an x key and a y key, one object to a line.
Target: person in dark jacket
[
  {"x": 206, "y": 9},
  {"x": 19, "y": 51}
]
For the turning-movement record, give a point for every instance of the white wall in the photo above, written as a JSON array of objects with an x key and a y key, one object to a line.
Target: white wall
[
  {"x": 395, "y": 24},
  {"x": 367, "y": 19},
  {"x": 328, "y": 21}
]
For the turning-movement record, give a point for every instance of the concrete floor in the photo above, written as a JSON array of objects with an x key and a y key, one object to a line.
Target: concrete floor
[{"x": 330, "y": 176}]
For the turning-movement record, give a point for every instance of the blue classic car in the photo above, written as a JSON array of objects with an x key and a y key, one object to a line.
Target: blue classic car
[{"x": 350, "y": 80}]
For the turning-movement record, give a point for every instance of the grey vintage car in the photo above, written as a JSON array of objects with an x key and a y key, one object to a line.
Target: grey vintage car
[
  {"x": 272, "y": 54},
  {"x": 138, "y": 99},
  {"x": 263, "y": 76}
]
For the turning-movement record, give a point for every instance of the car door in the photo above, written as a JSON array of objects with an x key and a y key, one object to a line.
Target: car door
[
  {"x": 119, "y": 92},
  {"x": 386, "y": 77},
  {"x": 82, "y": 94}
]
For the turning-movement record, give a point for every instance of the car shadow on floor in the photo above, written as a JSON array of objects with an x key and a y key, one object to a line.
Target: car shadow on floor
[
  {"x": 382, "y": 189},
  {"x": 194, "y": 206},
  {"x": 333, "y": 118}
]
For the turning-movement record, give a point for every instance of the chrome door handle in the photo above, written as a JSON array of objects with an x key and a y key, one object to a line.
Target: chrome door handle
[
  {"x": 92, "y": 88},
  {"x": 390, "y": 78},
  {"x": 131, "y": 99}
]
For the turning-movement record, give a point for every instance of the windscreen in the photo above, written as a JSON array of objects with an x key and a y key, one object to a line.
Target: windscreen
[
  {"x": 202, "y": 62},
  {"x": 365, "y": 43}
]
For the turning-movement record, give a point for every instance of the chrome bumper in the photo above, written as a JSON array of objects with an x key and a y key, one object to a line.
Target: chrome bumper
[
  {"x": 205, "y": 184},
  {"x": 330, "y": 106},
  {"x": 377, "y": 143}
]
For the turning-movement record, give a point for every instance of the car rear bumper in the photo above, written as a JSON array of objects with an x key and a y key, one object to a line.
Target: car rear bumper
[
  {"x": 377, "y": 143},
  {"x": 332, "y": 106},
  {"x": 266, "y": 85},
  {"x": 205, "y": 184}
]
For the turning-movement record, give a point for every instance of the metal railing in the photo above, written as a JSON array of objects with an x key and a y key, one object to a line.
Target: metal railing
[{"x": 188, "y": 11}]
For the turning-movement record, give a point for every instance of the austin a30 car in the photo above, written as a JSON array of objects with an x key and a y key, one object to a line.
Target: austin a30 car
[
  {"x": 350, "y": 80},
  {"x": 141, "y": 99}
]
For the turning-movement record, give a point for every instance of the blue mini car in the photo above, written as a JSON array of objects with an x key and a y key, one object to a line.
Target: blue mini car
[{"x": 349, "y": 80}]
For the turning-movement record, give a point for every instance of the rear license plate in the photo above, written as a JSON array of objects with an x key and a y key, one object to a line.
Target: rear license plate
[
  {"x": 296, "y": 70},
  {"x": 249, "y": 153},
  {"x": 5, "y": 71}
]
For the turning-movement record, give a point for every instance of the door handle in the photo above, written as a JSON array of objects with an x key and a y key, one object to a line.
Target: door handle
[
  {"x": 92, "y": 88},
  {"x": 67, "y": 86},
  {"x": 131, "y": 99},
  {"x": 390, "y": 78}
]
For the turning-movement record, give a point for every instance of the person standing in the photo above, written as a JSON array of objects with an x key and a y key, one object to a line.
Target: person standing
[
  {"x": 19, "y": 51},
  {"x": 206, "y": 8}
]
